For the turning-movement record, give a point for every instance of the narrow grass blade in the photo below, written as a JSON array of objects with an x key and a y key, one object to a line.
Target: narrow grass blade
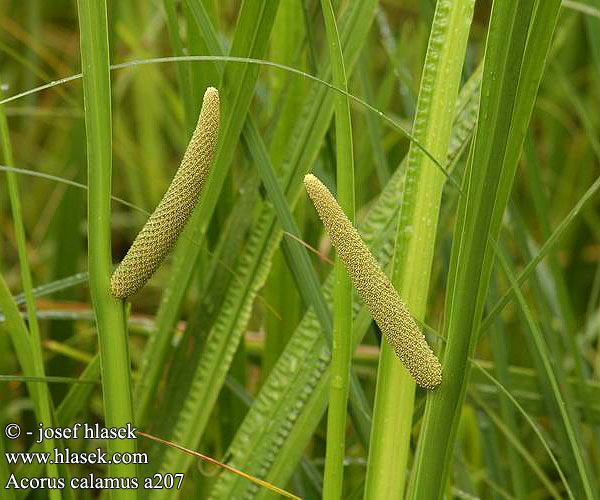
[
  {"x": 341, "y": 353},
  {"x": 206, "y": 458},
  {"x": 285, "y": 101},
  {"x": 524, "y": 383},
  {"x": 18, "y": 332},
  {"x": 565, "y": 410},
  {"x": 500, "y": 349},
  {"x": 183, "y": 74},
  {"x": 522, "y": 451},
  {"x": 374, "y": 128},
  {"x": 304, "y": 273},
  {"x": 542, "y": 209},
  {"x": 31, "y": 334},
  {"x": 529, "y": 420},
  {"x": 546, "y": 248},
  {"x": 55, "y": 286},
  {"x": 72, "y": 404}
]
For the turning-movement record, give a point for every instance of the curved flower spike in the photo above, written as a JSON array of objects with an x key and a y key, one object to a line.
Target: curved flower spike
[
  {"x": 162, "y": 229},
  {"x": 375, "y": 289}
]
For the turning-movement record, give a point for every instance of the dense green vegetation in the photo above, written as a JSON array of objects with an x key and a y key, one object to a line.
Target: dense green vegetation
[{"x": 460, "y": 137}]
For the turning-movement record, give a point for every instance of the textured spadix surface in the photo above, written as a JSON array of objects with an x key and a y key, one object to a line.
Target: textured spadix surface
[
  {"x": 375, "y": 289},
  {"x": 162, "y": 229}
]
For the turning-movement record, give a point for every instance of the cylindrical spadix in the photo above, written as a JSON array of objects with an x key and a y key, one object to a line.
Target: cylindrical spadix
[
  {"x": 162, "y": 229},
  {"x": 375, "y": 289}
]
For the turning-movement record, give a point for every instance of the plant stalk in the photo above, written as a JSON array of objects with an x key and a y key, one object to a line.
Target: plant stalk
[
  {"x": 341, "y": 352},
  {"x": 415, "y": 241},
  {"x": 109, "y": 312}
]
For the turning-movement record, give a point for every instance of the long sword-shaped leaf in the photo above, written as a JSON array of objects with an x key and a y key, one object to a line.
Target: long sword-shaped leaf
[
  {"x": 341, "y": 352},
  {"x": 294, "y": 397},
  {"x": 415, "y": 241},
  {"x": 516, "y": 50},
  {"x": 238, "y": 82},
  {"x": 254, "y": 264},
  {"x": 296, "y": 255}
]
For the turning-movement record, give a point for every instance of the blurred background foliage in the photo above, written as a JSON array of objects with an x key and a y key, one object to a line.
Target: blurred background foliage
[{"x": 152, "y": 106}]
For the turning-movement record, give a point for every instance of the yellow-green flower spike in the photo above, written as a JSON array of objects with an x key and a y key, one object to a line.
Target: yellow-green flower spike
[
  {"x": 375, "y": 289},
  {"x": 162, "y": 229}
]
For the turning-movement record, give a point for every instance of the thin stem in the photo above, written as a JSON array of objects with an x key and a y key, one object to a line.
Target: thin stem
[
  {"x": 261, "y": 62},
  {"x": 109, "y": 312}
]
